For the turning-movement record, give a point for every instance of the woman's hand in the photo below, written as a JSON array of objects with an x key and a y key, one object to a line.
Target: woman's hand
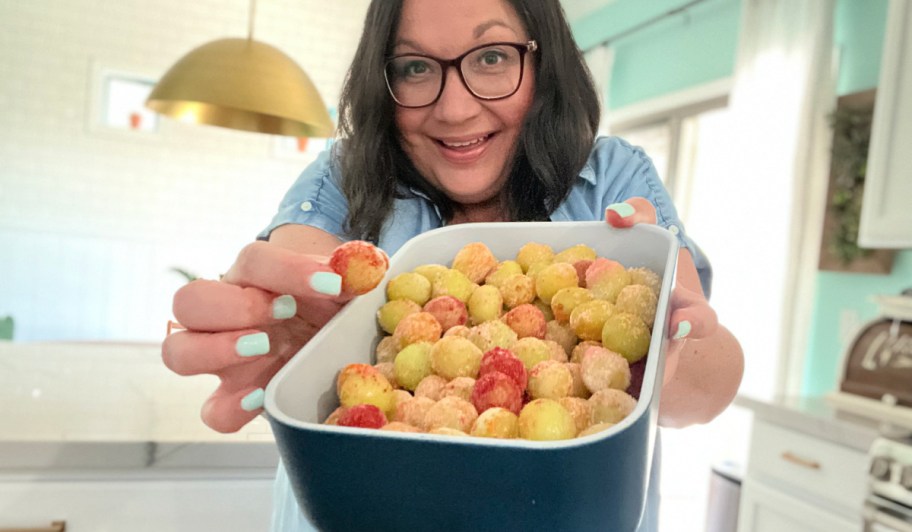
[
  {"x": 245, "y": 327},
  {"x": 704, "y": 362}
]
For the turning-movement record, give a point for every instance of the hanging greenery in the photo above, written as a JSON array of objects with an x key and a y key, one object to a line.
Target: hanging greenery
[{"x": 851, "y": 137}]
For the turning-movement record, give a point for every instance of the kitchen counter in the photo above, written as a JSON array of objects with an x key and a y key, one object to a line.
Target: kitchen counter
[
  {"x": 114, "y": 406},
  {"x": 817, "y": 417}
]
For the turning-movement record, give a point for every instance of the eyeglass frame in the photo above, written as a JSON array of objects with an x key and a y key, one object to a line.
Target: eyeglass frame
[{"x": 445, "y": 64}]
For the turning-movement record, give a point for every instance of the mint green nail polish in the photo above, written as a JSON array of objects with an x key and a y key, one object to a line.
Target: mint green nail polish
[
  {"x": 284, "y": 307},
  {"x": 326, "y": 283},
  {"x": 251, "y": 345},
  {"x": 623, "y": 209},
  {"x": 253, "y": 400},
  {"x": 683, "y": 330}
]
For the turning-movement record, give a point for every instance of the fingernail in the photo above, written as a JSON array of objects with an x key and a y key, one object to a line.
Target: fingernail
[
  {"x": 251, "y": 345},
  {"x": 623, "y": 209},
  {"x": 253, "y": 400},
  {"x": 326, "y": 283},
  {"x": 683, "y": 330},
  {"x": 284, "y": 307}
]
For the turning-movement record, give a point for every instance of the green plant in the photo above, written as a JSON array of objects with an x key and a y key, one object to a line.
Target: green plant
[
  {"x": 851, "y": 137},
  {"x": 186, "y": 275}
]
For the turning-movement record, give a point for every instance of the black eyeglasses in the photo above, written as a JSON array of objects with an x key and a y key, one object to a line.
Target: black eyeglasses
[{"x": 491, "y": 71}]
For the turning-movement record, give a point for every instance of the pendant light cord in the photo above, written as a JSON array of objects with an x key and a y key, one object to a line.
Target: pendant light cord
[{"x": 250, "y": 20}]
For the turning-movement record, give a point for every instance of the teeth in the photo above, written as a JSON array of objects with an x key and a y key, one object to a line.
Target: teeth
[{"x": 464, "y": 144}]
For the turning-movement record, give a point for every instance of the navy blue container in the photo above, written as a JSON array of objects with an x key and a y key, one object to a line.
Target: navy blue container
[{"x": 350, "y": 479}]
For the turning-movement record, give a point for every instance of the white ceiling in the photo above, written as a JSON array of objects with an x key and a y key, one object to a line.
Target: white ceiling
[{"x": 579, "y": 8}]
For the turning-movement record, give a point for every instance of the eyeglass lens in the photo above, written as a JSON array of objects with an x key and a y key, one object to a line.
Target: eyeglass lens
[{"x": 490, "y": 72}]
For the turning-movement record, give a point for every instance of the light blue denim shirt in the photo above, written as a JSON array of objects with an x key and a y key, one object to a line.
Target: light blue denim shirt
[{"x": 614, "y": 172}]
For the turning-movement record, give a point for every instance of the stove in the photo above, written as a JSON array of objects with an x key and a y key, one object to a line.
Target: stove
[{"x": 888, "y": 506}]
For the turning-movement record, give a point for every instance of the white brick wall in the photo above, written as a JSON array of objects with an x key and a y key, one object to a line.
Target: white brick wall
[{"x": 91, "y": 220}]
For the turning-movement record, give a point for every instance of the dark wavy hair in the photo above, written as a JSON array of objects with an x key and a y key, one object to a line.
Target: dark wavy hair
[{"x": 554, "y": 144}]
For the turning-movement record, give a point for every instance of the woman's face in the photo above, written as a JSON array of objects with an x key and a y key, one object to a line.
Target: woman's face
[{"x": 460, "y": 144}]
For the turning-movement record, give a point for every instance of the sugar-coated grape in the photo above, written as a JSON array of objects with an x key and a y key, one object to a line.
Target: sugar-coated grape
[
  {"x": 557, "y": 352},
  {"x": 610, "y": 406},
  {"x": 485, "y": 304},
  {"x": 392, "y": 312},
  {"x": 413, "y": 411},
  {"x": 588, "y": 319},
  {"x": 494, "y": 389},
  {"x": 430, "y": 387},
  {"x": 496, "y": 423},
  {"x": 550, "y": 380},
  {"x": 579, "y": 388},
  {"x": 575, "y": 253},
  {"x": 475, "y": 260},
  {"x": 639, "y": 300},
  {"x": 533, "y": 252},
  {"x": 460, "y": 387},
  {"x": 409, "y": 285},
  {"x": 368, "y": 388},
  {"x": 605, "y": 278},
  {"x": 458, "y": 330},
  {"x": 454, "y": 356},
  {"x": 579, "y": 409},
  {"x": 447, "y": 431},
  {"x": 526, "y": 320},
  {"x": 451, "y": 412},
  {"x": 353, "y": 369},
  {"x": 412, "y": 364},
  {"x": 531, "y": 351},
  {"x": 626, "y": 335},
  {"x": 491, "y": 334},
  {"x": 546, "y": 419},
  {"x": 360, "y": 264},
  {"x": 567, "y": 299},
  {"x": 554, "y": 277},
  {"x": 449, "y": 311},
  {"x": 387, "y": 370},
  {"x": 646, "y": 277},
  {"x": 563, "y": 334},
  {"x": 506, "y": 362},
  {"x": 387, "y": 349},
  {"x": 333, "y": 418},
  {"x": 544, "y": 307},
  {"x": 580, "y": 349},
  {"x": 503, "y": 271},
  {"x": 365, "y": 416},
  {"x": 430, "y": 271},
  {"x": 417, "y": 327},
  {"x": 595, "y": 429},
  {"x": 454, "y": 283},
  {"x": 602, "y": 368},
  {"x": 517, "y": 289}
]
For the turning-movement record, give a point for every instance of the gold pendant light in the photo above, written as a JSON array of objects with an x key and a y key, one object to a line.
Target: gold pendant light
[{"x": 242, "y": 84}]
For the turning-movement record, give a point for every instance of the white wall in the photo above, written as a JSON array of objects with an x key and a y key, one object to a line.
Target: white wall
[{"x": 91, "y": 220}]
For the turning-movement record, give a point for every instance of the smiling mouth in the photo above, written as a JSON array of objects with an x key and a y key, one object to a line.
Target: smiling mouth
[{"x": 465, "y": 145}]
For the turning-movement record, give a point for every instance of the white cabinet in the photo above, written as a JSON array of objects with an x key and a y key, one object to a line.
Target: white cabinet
[
  {"x": 801, "y": 483},
  {"x": 886, "y": 214}
]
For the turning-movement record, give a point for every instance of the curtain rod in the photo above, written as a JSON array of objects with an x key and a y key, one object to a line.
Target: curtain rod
[{"x": 645, "y": 24}]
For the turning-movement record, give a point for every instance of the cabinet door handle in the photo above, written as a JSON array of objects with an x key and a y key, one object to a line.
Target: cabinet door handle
[
  {"x": 789, "y": 456},
  {"x": 55, "y": 526}
]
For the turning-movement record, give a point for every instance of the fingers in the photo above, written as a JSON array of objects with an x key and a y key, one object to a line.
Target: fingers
[
  {"x": 281, "y": 271},
  {"x": 195, "y": 353},
  {"x": 692, "y": 316},
  {"x": 632, "y": 211},
  {"x": 217, "y": 306},
  {"x": 229, "y": 410}
]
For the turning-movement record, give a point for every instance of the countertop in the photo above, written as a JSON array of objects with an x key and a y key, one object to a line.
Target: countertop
[
  {"x": 71, "y": 406},
  {"x": 816, "y": 416}
]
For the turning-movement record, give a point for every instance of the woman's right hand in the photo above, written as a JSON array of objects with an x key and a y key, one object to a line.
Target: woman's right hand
[{"x": 246, "y": 326}]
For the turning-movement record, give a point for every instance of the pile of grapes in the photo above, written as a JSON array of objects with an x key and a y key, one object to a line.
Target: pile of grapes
[{"x": 544, "y": 346}]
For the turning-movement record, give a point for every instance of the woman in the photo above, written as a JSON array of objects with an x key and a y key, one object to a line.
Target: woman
[{"x": 452, "y": 112}]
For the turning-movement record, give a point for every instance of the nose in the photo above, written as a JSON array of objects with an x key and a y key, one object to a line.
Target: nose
[{"x": 456, "y": 104}]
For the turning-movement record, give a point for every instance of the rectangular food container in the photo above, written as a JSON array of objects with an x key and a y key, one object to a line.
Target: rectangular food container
[{"x": 351, "y": 479}]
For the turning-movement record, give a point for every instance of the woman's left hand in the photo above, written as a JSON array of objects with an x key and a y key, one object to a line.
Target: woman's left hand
[{"x": 704, "y": 362}]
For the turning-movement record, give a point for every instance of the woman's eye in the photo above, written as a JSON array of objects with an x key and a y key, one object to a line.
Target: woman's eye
[
  {"x": 491, "y": 57},
  {"x": 415, "y": 68}
]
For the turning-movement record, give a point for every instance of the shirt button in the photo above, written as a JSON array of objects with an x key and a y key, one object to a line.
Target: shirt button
[
  {"x": 307, "y": 206},
  {"x": 674, "y": 229}
]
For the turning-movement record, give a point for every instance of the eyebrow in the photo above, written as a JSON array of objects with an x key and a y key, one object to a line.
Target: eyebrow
[{"x": 476, "y": 33}]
